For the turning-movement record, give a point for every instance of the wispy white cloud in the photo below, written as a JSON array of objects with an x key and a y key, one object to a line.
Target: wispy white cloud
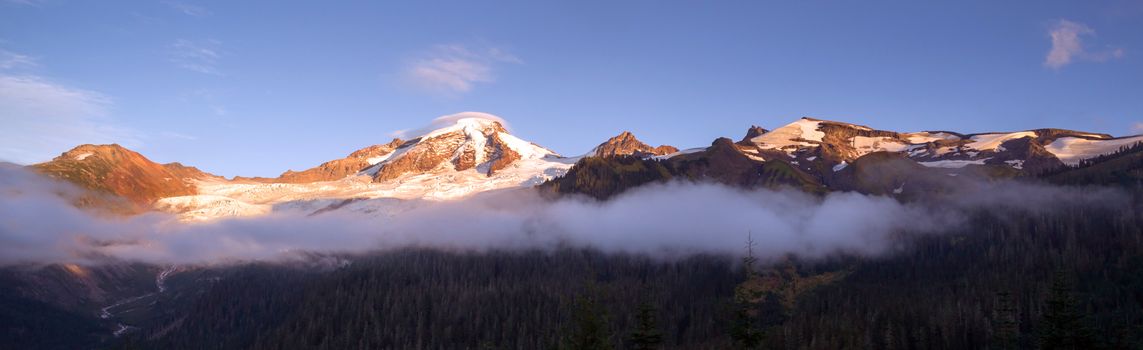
[
  {"x": 450, "y": 74},
  {"x": 456, "y": 68},
  {"x": 187, "y": 9},
  {"x": 1137, "y": 128},
  {"x": 43, "y": 118},
  {"x": 1068, "y": 46},
  {"x": 24, "y": 2},
  {"x": 198, "y": 56},
  {"x": 12, "y": 60}
]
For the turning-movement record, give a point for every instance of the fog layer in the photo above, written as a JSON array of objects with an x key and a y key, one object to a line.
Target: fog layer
[{"x": 38, "y": 225}]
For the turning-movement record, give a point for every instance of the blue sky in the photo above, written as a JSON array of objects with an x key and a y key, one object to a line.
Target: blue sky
[{"x": 258, "y": 87}]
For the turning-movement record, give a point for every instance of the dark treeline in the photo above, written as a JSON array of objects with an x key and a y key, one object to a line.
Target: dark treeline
[
  {"x": 997, "y": 275},
  {"x": 1068, "y": 278},
  {"x": 435, "y": 300}
]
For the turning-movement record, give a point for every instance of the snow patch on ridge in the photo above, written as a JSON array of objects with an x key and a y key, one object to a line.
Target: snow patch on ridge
[
  {"x": 839, "y": 166},
  {"x": 926, "y": 137},
  {"x": 375, "y": 160},
  {"x": 1072, "y": 150},
  {"x": 866, "y": 145},
  {"x": 803, "y": 132},
  {"x": 527, "y": 150},
  {"x": 679, "y": 153},
  {"x": 986, "y": 142},
  {"x": 953, "y": 163}
]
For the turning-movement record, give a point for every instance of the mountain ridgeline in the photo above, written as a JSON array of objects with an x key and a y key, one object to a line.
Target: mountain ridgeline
[{"x": 473, "y": 152}]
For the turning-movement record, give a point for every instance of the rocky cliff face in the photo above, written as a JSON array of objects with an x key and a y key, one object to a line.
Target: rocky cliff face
[
  {"x": 752, "y": 132},
  {"x": 625, "y": 144}
]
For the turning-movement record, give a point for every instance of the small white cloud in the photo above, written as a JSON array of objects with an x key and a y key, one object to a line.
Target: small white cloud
[
  {"x": 456, "y": 68},
  {"x": 201, "y": 56},
  {"x": 180, "y": 136},
  {"x": 450, "y": 74},
  {"x": 1137, "y": 128},
  {"x": 187, "y": 9},
  {"x": 1068, "y": 47},
  {"x": 446, "y": 121},
  {"x": 42, "y": 118}
]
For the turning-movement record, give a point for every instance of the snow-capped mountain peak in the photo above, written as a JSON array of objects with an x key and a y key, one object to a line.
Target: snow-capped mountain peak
[
  {"x": 472, "y": 141},
  {"x": 475, "y": 123},
  {"x": 456, "y": 156}
]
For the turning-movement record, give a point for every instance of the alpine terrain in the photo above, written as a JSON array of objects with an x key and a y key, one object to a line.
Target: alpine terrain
[{"x": 475, "y": 153}]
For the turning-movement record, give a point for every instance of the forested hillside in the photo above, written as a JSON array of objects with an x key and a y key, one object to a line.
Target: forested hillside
[{"x": 1003, "y": 280}]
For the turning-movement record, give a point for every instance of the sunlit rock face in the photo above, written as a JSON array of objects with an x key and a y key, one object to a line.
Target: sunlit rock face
[{"x": 625, "y": 144}]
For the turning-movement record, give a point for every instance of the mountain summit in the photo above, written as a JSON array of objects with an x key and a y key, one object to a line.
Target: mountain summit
[
  {"x": 473, "y": 142},
  {"x": 625, "y": 144},
  {"x": 117, "y": 170}
]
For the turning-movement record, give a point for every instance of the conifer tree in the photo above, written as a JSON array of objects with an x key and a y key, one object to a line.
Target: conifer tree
[
  {"x": 745, "y": 329},
  {"x": 1063, "y": 325},
  {"x": 646, "y": 335},
  {"x": 1006, "y": 326},
  {"x": 590, "y": 329}
]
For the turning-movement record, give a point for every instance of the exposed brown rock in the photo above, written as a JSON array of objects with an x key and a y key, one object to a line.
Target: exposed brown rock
[
  {"x": 837, "y": 143},
  {"x": 722, "y": 162},
  {"x": 663, "y": 150},
  {"x": 116, "y": 170},
  {"x": 751, "y": 133},
  {"x": 502, "y": 155},
  {"x": 626, "y": 144},
  {"x": 425, "y": 155},
  {"x": 452, "y": 148},
  {"x": 188, "y": 172},
  {"x": 467, "y": 158},
  {"x": 332, "y": 170},
  {"x": 1035, "y": 157}
]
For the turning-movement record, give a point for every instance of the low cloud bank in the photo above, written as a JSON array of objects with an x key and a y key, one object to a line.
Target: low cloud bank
[{"x": 37, "y": 225}]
